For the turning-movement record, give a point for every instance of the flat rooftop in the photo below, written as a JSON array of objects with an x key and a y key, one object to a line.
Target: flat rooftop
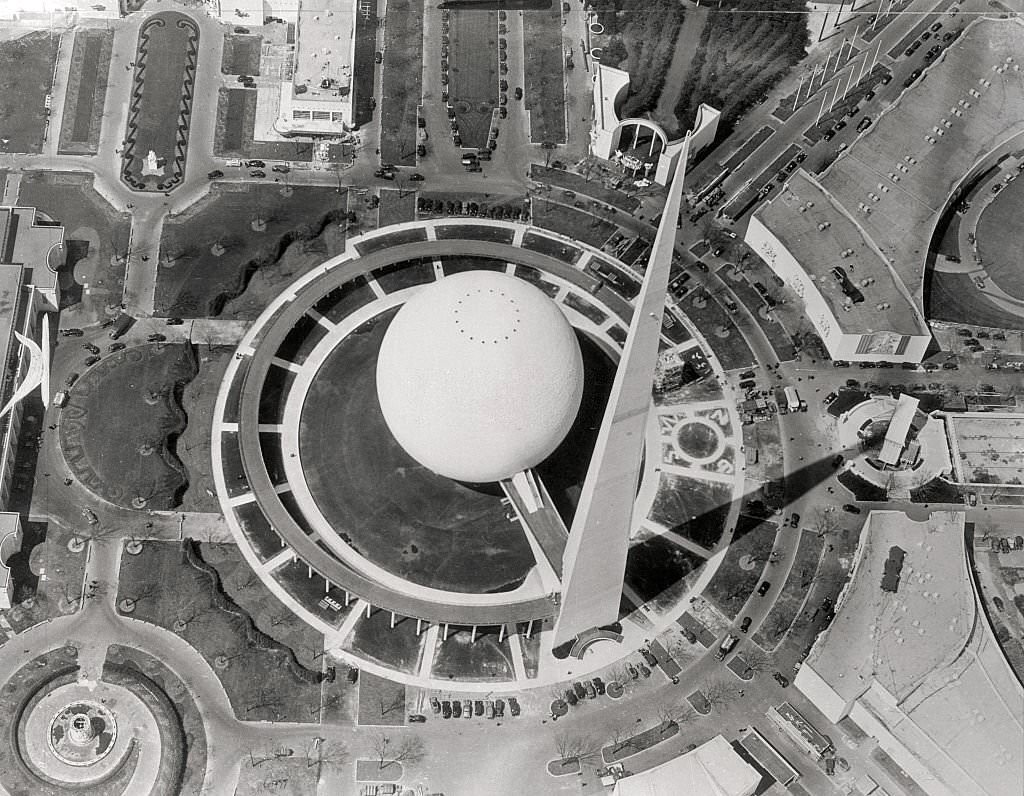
[
  {"x": 11, "y": 281},
  {"x": 323, "y": 48},
  {"x": 898, "y": 639},
  {"x": 820, "y": 250},
  {"x": 923, "y": 660},
  {"x": 988, "y": 447}
]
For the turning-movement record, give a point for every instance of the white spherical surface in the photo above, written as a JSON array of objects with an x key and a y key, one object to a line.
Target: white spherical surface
[{"x": 479, "y": 376}]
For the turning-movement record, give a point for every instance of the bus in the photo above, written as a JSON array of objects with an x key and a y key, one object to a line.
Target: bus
[{"x": 792, "y": 399}]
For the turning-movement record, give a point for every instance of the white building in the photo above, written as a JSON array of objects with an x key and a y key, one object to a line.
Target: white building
[
  {"x": 640, "y": 145},
  {"x": 910, "y": 658},
  {"x": 712, "y": 769}
]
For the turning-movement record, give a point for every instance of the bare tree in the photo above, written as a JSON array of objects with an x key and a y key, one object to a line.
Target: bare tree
[
  {"x": 757, "y": 659},
  {"x": 622, "y": 736},
  {"x": 676, "y": 714},
  {"x": 244, "y": 578},
  {"x": 574, "y": 747},
  {"x": 824, "y": 522},
  {"x": 265, "y": 698},
  {"x": 397, "y": 702},
  {"x": 324, "y": 754},
  {"x": 187, "y": 607},
  {"x": 407, "y": 750},
  {"x": 144, "y": 591},
  {"x": 721, "y": 692}
]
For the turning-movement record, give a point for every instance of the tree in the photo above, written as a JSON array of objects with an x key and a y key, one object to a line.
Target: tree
[
  {"x": 721, "y": 692},
  {"x": 622, "y": 736},
  {"x": 824, "y": 522},
  {"x": 324, "y": 754},
  {"x": 144, "y": 591},
  {"x": 408, "y": 750},
  {"x": 574, "y": 747},
  {"x": 676, "y": 714},
  {"x": 186, "y": 607},
  {"x": 397, "y": 702},
  {"x": 757, "y": 659}
]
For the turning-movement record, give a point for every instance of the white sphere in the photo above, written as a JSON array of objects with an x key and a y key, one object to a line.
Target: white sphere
[{"x": 479, "y": 376}]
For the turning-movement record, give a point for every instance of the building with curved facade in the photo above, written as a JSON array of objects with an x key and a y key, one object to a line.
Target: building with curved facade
[{"x": 855, "y": 241}]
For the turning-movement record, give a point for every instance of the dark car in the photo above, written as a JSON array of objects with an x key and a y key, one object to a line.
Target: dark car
[
  {"x": 849, "y": 507},
  {"x": 781, "y": 679},
  {"x": 155, "y": 338},
  {"x": 416, "y": 177},
  {"x": 281, "y": 168},
  {"x": 257, "y": 173},
  {"x": 886, "y": 79},
  {"x": 829, "y": 135},
  {"x": 839, "y": 125},
  {"x": 837, "y": 461},
  {"x": 499, "y": 708},
  {"x": 417, "y": 718},
  {"x": 174, "y": 321},
  {"x": 747, "y": 384},
  {"x": 70, "y": 380},
  {"x": 840, "y": 363},
  {"x": 216, "y": 174},
  {"x": 936, "y": 26},
  {"x": 591, "y": 690},
  {"x": 831, "y": 397},
  {"x": 570, "y": 697},
  {"x": 378, "y": 57},
  {"x": 502, "y": 112},
  {"x": 421, "y": 150},
  {"x": 90, "y": 361},
  {"x": 115, "y": 347},
  {"x": 254, "y": 164},
  {"x": 580, "y": 691},
  {"x": 644, "y": 671},
  {"x": 518, "y": 93},
  {"x": 867, "y": 365},
  {"x": 598, "y": 685},
  {"x": 515, "y": 710},
  {"x": 446, "y": 709},
  {"x": 71, "y": 332},
  {"x": 478, "y": 707},
  {"x": 794, "y": 521},
  {"x": 745, "y": 624},
  {"x": 762, "y": 590},
  {"x": 950, "y": 366},
  {"x": 886, "y": 365},
  {"x": 748, "y": 374},
  {"x": 869, "y": 96},
  {"x": 648, "y": 656},
  {"x": 92, "y": 349},
  {"x": 801, "y": 157},
  {"x": 456, "y": 709}
]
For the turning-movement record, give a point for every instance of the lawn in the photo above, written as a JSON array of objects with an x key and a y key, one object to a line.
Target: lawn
[
  {"x": 26, "y": 77},
  {"x": 400, "y": 515},
  {"x": 794, "y": 592},
  {"x": 396, "y": 206},
  {"x": 119, "y": 428},
  {"x": 86, "y": 92},
  {"x": 741, "y": 57},
  {"x": 732, "y": 584},
  {"x": 241, "y": 55},
  {"x": 544, "y": 92},
  {"x": 580, "y": 184},
  {"x": 261, "y": 677},
  {"x": 693, "y": 509},
  {"x": 557, "y": 249},
  {"x": 473, "y": 90},
  {"x": 233, "y": 137},
  {"x": 194, "y": 282},
  {"x": 161, "y": 101},
  {"x": 711, "y": 319},
  {"x": 395, "y": 647},
  {"x": 955, "y": 298},
  {"x": 571, "y": 222},
  {"x": 1001, "y": 251},
  {"x": 658, "y": 569},
  {"x": 363, "y": 68},
  {"x": 402, "y": 82},
  {"x": 95, "y": 236},
  {"x": 483, "y": 659},
  {"x": 44, "y": 550}
]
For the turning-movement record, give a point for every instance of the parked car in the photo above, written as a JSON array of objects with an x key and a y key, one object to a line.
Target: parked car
[
  {"x": 90, "y": 361},
  {"x": 115, "y": 347},
  {"x": 416, "y": 177},
  {"x": 478, "y": 707},
  {"x": 155, "y": 338},
  {"x": 830, "y": 397},
  {"x": 950, "y": 366},
  {"x": 762, "y": 590},
  {"x": 570, "y": 697},
  {"x": 518, "y": 93},
  {"x": 90, "y": 516},
  {"x": 837, "y": 461},
  {"x": 421, "y": 150},
  {"x": 257, "y": 173},
  {"x": 644, "y": 671},
  {"x": 456, "y": 709},
  {"x": 580, "y": 691},
  {"x": 281, "y": 168},
  {"x": 745, "y": 624},
  {"x": 781, "y": 679},
  {"x": 794, "y": 521},
  {"x": 591, "y": 690},
  {"x": 216, "y": 174},
  {"x": 852, "y": 509},
  {"x": 446, "y": 709},
  {"x": 174, "y": 321},
  {"x": 71, "y": 332},
  {"x": 467, "y": 709},
  {"x": 417, "y": 718},
  {"x": 648, "y": 656},
  {"x": 747, "y": 384},
  {"x": 499, "y": 708},
  {"x": 254, "y": 164},
  {"x": 435, "y": 704},
  {"x": 92, "y": 349},
  {"x": 378, "y": 57},
  {"x": 598, "y": 686}
]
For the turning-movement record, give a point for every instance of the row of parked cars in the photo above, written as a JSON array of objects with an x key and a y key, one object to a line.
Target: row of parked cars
[{"x": 468, "y": 708}]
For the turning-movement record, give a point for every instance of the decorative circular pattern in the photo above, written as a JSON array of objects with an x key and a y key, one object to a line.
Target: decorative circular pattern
[
  {"x": 698, "y": 441},
  {"x": 83, "y": 733}
]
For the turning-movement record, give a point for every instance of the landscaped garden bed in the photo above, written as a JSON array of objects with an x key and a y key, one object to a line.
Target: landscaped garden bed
[
  {"x": 160, "y": 107},
  {"x": 235, "y": 127},
  {"x": 794, "y": 591},
  {"x": 44, "y": 549},
  {"x": 744, "y": 562},
  {"x": 544, "y": 92},
  {"x": 86, "y": 92},
  {"x": 402, "y": 81},
  {"x": 262, "y": 678},
  {"x": 123, "y": 448},
  {"x": 580, "y": 184},
  {"x": 26, "y": 78},
  {"x": 572, "y": 223},
  {"x": 473, "y": 86},
  {"x": 633, "y": 744},
  {"x": 461, "y": 658},
  {"x": 397, "y": 647},
  {"x": 241, "y": 55},
  {"x": 195, "y": 281}
]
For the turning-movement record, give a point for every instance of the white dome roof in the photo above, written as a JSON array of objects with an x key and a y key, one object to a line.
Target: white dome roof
[{"x": 479, "y": 376}]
